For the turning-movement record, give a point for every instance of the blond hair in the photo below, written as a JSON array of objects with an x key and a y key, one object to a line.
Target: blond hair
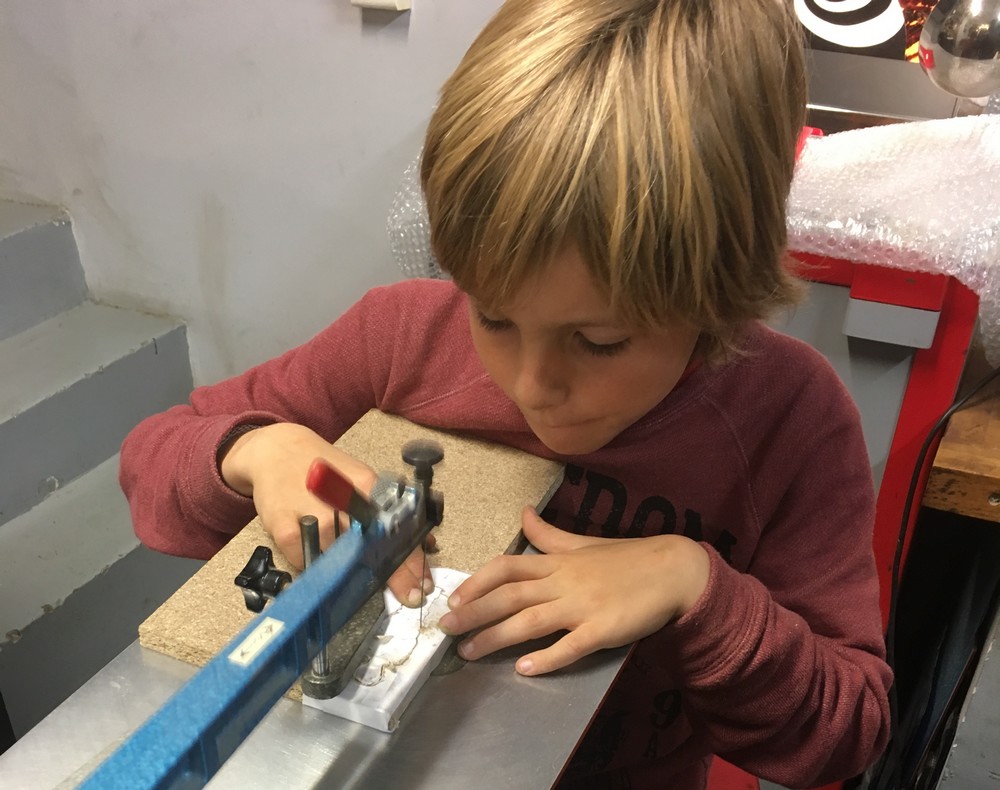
[{"x": 658, "y": 136}]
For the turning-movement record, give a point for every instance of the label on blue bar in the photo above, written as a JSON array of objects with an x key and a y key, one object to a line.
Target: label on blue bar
[{"x": 256, "y": 641}]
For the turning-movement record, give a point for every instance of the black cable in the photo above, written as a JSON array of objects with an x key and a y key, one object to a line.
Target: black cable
[{"x": 895, "y": 759}]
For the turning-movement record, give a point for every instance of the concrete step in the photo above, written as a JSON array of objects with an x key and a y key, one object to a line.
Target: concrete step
[
  {"x": 73, "y": 387},
  {"x": 40, "y": 271},
  {"x": 75, "y": 586},
  {"x": 60, "y": 545}
]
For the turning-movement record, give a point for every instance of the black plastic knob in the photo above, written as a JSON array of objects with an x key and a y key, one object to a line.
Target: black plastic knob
[
  {"x": 422, "y": 454},
  {"x": 260, "y": 580}
]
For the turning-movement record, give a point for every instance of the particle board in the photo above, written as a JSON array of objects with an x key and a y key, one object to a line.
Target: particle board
[{"x": 485, "y": 486}]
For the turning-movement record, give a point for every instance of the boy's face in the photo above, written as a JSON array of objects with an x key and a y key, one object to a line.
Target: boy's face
[{"x": 579, "y": 376}]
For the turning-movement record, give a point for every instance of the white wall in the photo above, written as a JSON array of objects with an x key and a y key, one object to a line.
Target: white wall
[{"x": 229, "y": 162}]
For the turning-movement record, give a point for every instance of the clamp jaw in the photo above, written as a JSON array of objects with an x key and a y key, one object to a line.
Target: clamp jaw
[
  {"x": 389, "y": 521},
  {"x": 403, "y": 512}
]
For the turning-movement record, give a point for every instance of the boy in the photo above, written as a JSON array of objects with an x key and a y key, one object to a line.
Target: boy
[{"x": 605, "y": 184}]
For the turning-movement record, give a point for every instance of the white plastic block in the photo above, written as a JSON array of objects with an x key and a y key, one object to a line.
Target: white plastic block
[{"x": 398, "y": 660}]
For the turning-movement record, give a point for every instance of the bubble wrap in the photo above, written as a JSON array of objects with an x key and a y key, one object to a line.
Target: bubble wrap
[
  {"x": 409, "y": 229},
  {"x": 923, "y": 196}
]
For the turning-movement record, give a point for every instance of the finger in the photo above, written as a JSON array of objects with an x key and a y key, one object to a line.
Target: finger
[
  {"x": 572, "y": 647},
  {"x": 549, "y": 539},
  {"x": 406, "y": 586},
  {"x": 507, "y": 601},
  {"x": 529, "y": 623},
  {"x": 286, "y": 536},
  {"x": 420, "y": 568},
  {"x": 431, "y": 544},
  {"x": 420, "y": 571},
  {"x": 500, "y": 570},
  {"x": 332, "y": 524}
]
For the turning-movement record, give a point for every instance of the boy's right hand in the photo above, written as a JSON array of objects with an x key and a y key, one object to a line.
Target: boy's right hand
[{"x": 270, "y": 465}]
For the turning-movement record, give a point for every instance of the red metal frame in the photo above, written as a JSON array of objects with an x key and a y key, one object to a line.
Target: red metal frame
[
  {"x": 930, "y": 390},
  {"x": 899, "y": 287},
  {"x": 934, "y": 377}
]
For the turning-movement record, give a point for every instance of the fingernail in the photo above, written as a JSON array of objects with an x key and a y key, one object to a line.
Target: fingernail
[
  {"x": 525, "y": 666},
  {"x": 466, "y": 649},
  {"x": 447, "y": 623},
  {"x": 428, "y": 585},
  {"x": 454, "y": 601},
  {"x": 415, "y": 597}
]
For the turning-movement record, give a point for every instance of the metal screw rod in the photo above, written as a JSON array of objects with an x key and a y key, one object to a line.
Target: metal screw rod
[{"x": 309, "y": 527}]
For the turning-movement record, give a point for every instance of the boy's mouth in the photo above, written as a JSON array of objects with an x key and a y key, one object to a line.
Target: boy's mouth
[{"x": 565, "y": 426}]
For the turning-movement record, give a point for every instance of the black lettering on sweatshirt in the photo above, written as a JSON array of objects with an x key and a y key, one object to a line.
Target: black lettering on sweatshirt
[
  {"x": 666, "y": 708},
  {"x": 655, "y": 510},
  {"x": 648, "y": 506},
  {"x": 598, "y": 484}
]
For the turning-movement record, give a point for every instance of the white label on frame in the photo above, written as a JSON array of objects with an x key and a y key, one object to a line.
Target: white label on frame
[{"x": 256, "y": 641}]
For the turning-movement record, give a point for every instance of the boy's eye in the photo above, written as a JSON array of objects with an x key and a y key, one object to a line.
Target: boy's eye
[
  {"x": 589, "y": 346},
  {"x": 493, "y": 324},
  {"x": 603, "y": 349}
]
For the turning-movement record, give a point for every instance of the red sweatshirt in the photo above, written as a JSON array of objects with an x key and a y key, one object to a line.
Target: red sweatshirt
[{"x": 780, "y": 666}]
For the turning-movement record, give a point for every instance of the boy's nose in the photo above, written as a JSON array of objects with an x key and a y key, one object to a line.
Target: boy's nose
[{"x": 541, "y": 381}]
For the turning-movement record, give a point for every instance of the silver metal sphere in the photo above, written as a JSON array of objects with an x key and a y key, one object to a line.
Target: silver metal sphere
[{"x": 960, "y": 47}]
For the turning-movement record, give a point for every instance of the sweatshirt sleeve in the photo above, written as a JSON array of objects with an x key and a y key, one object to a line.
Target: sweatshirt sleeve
[
  {"x": 783, "y": 667},
  {"x": 168, "y": 464}
]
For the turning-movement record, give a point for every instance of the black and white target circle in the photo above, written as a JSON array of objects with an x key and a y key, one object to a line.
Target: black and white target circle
[{"x": 851, "y": 23}]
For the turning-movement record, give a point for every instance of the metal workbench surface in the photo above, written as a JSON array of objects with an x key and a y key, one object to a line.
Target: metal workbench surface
[{"x": 483, "y": 725}]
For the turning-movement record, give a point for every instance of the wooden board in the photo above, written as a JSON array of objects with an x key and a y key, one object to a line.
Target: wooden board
[
  {"x": 965, "y": 477},
  {"x": 485, "y": 486}
]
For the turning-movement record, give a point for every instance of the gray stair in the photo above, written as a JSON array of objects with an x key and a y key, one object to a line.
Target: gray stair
[
  {"x": 40, "y": 272},
  {"x": 76, "y": 378},
  {"x": 73, "y": 387},
  {"x": 45, "y": 560},
  {"x": 75, "y": 585}
]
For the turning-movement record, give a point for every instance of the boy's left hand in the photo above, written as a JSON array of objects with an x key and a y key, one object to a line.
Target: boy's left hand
[{"x": 606, "y": 592}]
